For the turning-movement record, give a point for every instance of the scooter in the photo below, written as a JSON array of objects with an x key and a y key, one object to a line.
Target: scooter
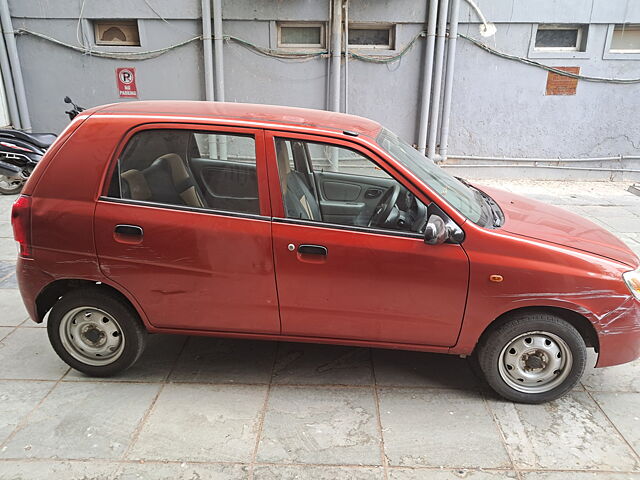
[
  {"x": 21, "y": 151},
  {"x": 75, "y": 111}
]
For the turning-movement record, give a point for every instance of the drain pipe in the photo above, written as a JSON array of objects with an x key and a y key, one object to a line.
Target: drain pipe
[
  {"x": 346, "y": 56},
  {"x": 10, "y": 93},
  {"x": 207, "y": 46},
  {"x": 437, "y": 79},
  {"x": 448, "y": 79},
  {"x": 218, "y": 44},
  {"x": 617, "y": 158},
  {"x": 549, "y": 167},
  {"x": 14, "y": 61},
  {"x": 336, "y": 55},
  {"x": 334, "y": 80},
  {"x": 427, "y": 75}
]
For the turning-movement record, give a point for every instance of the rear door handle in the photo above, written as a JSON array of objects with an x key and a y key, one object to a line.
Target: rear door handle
[
  {"x": 313, "y": 250},
  {"x": 129, "y": 230}
]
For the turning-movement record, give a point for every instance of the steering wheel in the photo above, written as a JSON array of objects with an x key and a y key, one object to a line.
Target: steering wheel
[{"x": 385, "y": 206}]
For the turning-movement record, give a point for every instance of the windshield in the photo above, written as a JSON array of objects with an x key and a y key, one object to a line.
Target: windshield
[{"x": 457, "y": 194}]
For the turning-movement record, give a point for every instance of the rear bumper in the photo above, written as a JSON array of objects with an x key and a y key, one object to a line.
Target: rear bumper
[
  {"x": 620, "y": 338},
  {"x": 31, "y": 281}
]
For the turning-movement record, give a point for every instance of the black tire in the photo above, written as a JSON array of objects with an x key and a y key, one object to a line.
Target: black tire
[
  {"x": 129, "y": 328},
  {"x": 11, "y": 188},
  {"x": 496, "y": 363}
]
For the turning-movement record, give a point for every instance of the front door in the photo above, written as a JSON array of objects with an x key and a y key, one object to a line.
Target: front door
[
  {"x": 350, "y": 260},
  {"x": 185, "y": 229}
]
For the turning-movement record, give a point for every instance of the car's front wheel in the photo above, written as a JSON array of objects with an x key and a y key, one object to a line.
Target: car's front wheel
[
  {"x": 532, "y": 358},
  {"x": 95, "y": 332}
]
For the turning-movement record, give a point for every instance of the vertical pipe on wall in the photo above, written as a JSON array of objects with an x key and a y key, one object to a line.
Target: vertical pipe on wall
[
  {"x": 336, "y": 55},
  {"x": 14, "y": 61},
  {"x": 427, "y": 75},
  {"x": 448, "y": 79},
  {"x": 334, "y": 80},
  {"x": 5, "y": 68},
  {"x": 437, "y": 79},
  {"x": 207, "y": 46},
  {"x": 327, "y": 83},
  {"x": 218, "y": 44},
  {"x": 346, "y": 56}
]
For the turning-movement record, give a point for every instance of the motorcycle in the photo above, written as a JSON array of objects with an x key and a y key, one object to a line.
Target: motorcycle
[{"x": 21, "y": 151}]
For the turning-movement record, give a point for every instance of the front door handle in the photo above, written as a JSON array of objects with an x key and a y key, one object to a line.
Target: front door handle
[
  {"x": 129, "y": 230},
  {"x": 372, "y": 193},
  {"x": 313, "y": 250}
]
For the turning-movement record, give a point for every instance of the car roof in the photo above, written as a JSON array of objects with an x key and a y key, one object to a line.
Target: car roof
[{"x": 250, "y": 112}]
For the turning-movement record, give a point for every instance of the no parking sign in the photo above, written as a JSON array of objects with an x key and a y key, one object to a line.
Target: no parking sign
[{"x": 126, "y": 79}]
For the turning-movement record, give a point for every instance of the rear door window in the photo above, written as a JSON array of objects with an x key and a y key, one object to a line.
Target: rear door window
[{"x": 189, "y": 168}]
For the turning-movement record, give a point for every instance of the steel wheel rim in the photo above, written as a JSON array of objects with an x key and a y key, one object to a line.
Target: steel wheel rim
[
  {"x": 91, "y": 336},
  {"x": 535, "y": 362},
  {"x": 8, "y": 185}
]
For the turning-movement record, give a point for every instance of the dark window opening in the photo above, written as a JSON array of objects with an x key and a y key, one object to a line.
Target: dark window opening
[
  {"x": 561, "y": 38},
  {"x": 379, "y": 36}
]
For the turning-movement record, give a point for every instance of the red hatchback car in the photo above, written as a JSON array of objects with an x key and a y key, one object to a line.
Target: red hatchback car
[{"x": 278, "y": 223}]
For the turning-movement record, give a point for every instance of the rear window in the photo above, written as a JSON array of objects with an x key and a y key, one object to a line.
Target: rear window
[{"x": 189, "y": 168}]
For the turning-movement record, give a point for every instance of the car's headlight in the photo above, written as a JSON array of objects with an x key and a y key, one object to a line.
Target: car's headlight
[{"x": 632, "y": 279}]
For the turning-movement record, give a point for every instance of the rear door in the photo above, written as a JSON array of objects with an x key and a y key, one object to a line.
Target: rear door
[{"x": 185, "y": 228}]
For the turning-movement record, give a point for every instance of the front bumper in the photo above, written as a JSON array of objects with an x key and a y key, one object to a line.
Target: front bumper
[{"x": 619, "y": 336}]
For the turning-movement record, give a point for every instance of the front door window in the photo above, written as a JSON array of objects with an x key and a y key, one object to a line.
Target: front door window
[{"x": 336, "y": 185}]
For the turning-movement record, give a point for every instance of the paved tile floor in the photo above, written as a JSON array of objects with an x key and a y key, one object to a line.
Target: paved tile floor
[{"x": 199, "y": 408}]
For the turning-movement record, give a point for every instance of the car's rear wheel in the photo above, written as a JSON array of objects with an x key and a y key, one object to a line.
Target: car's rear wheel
[
  {"x": 95, "y": 332},
  {"x": 532, "y": 358}
]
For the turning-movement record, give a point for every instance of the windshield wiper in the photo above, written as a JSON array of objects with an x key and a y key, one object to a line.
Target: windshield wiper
[
  {"x": 487, "y": 202},
  {"x": 498, "y": 217},
  {"x": 484, "y": 201}
]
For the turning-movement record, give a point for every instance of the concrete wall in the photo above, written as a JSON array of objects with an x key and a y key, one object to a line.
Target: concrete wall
[{"x": 499, "y": 106}]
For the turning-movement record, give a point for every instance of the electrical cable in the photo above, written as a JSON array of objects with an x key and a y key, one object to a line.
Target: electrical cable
[
  {"x": 309, "y": 55},
  {"x": 169, "y": 24},
  {"x": 486, "y": 29},
  {"x": 115, "y": 55},
  {"x": 277, "y": 53},
  {"x": 80, "y": 42},
  {"x": 533, "y": 63},
  {"x": 388, "y": 58}
]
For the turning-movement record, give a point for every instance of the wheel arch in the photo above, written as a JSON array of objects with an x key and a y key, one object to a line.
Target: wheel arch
[
  {"x": 578, "y": 321},
  {"x": 55, "y": 290}
]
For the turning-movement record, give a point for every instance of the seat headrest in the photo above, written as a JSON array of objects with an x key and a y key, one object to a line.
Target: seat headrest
[
  {"x": 282, "y": 155},
  {"x": 138, "y": 186},
  {"x": 284, "y": 167},
  {"x": 182, "y": 180}
]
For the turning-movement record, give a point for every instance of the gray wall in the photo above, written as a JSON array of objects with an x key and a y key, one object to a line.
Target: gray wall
[{"x": 499, "y": 107}]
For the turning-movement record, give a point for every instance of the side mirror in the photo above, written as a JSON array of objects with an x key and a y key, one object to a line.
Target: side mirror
[
  {"x": 436, "y": 231},
  {"x": 67, "y": 100}
]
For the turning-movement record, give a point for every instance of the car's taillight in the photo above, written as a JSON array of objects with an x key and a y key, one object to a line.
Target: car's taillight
[{"x": 21, "y": 222}]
